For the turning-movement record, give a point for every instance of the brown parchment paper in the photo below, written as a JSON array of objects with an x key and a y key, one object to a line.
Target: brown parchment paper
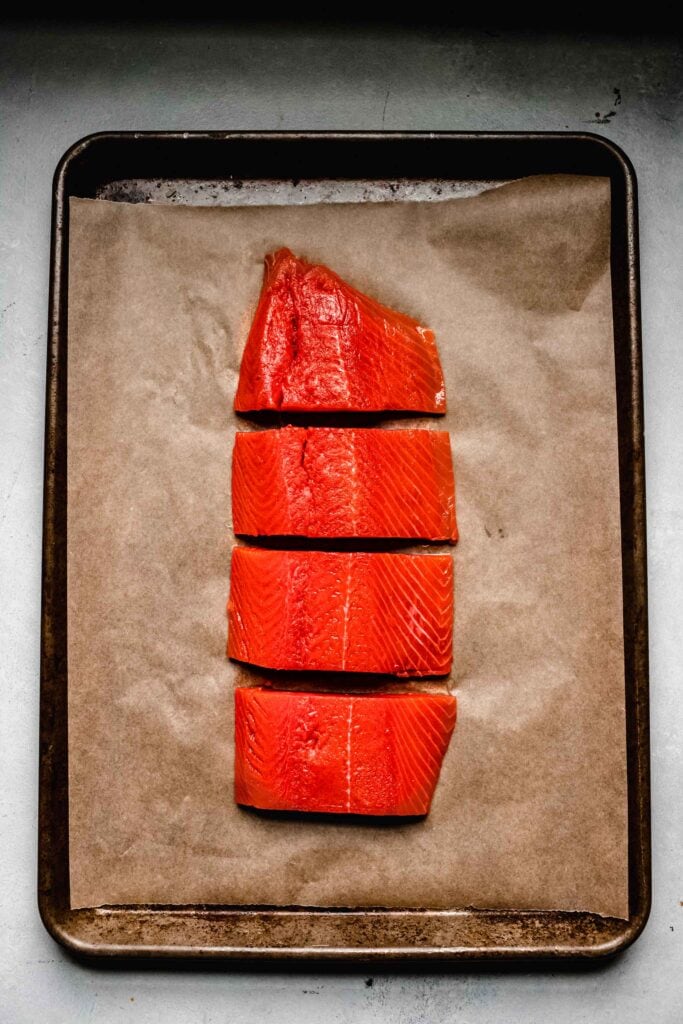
[{"x": 530, "y": 812}]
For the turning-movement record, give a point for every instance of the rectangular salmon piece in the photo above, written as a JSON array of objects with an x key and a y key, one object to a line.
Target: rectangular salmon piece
[
  {"x": 320, "y": 482},
  {"x": 340, "y": 753},
  {"x": 341, "y": 612}
]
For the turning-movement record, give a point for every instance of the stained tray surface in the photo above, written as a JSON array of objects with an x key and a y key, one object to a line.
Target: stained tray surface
[{"x": 241, "y": 169}]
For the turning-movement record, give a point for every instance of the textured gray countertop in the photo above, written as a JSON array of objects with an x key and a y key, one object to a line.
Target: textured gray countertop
[{"x": 57, "y": 86}]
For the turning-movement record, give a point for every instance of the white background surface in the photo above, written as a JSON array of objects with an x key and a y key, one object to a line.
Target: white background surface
[{"x": 57, "y": 86}]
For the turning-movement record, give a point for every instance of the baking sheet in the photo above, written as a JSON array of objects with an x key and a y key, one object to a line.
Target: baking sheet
[{"x": 531, "y": 808}]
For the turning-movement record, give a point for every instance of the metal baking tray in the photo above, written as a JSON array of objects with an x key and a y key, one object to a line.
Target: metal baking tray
[{"x": 211, "y": 167}]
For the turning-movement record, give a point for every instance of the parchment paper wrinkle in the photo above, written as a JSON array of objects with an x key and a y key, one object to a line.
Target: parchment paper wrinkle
[{"x": 530, "y": 812}]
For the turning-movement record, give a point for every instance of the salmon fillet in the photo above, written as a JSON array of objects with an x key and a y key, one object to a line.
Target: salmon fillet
[
  {"x": 314, "y": 482},
  {"x": 341, "y": 612},
  {"x": 317, "y": 344},
  {"x": 340, "y": 753}
]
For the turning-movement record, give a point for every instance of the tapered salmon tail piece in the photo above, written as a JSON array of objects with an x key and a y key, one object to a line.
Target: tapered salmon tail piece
[
  {"x": 340, "y": 753},
  {"x": 318, "y": 345}
]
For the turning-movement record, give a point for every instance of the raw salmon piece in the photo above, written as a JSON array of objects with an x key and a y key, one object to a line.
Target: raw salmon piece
[
  {"x": 315, "y": 482},
  {"x": 317, "y": 344},
  {"x": 341, "y": 612},
  {"x": 340, "y": 753}
]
